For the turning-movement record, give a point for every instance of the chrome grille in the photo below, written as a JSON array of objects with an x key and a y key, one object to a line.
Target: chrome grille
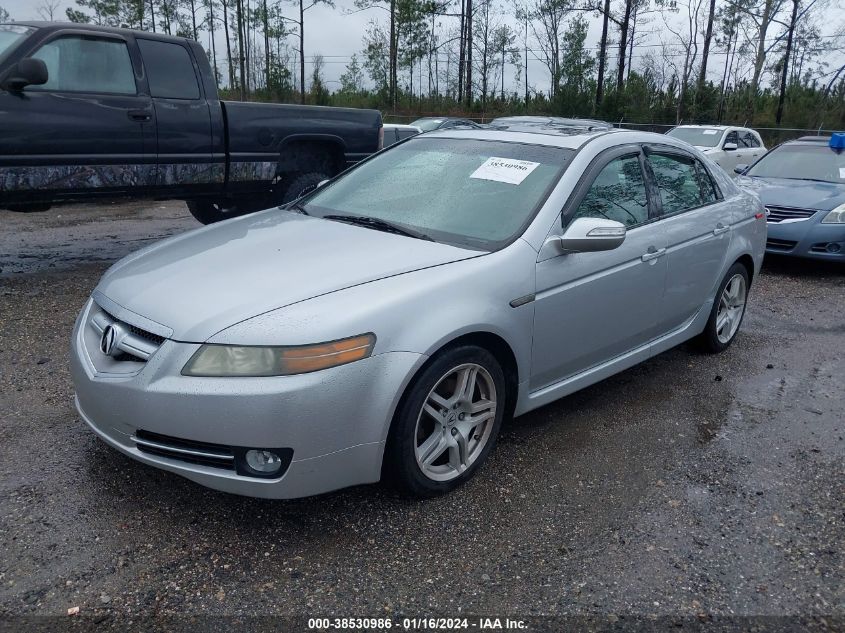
[
  {"x": 777, "y": 215},
  {"x": 137, "y": 345}
]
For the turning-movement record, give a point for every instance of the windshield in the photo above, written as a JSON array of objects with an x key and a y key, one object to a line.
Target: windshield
[
  {"x": 701, "y": 136},
  {"x": 802, "y": 162},
  {"x": 10, "y": 34},
  {"x": 468, "y": 192},
  {"x": 427, "y": 125}
]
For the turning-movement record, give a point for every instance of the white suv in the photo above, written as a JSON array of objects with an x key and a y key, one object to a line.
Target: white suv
[{"x": 725, "y": 145}]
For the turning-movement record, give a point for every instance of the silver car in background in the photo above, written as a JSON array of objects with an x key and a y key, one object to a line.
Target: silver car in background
[{"x": 385, "y": 324}]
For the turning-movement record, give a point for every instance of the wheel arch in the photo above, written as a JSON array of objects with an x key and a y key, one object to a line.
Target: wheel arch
[
  {"x": 487, "y": 340},
  {"x": 748, "y": 262},
  {"x": 301, "y": 153}
]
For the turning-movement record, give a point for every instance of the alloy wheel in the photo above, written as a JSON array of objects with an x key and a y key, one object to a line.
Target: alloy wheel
[
  {"x": 456, "y": 422},
  {"x": 731, "y": 308}
]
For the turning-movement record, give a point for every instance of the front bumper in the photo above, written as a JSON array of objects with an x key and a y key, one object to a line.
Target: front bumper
[
  {"x": 335, "y": 421},
  {"x": 808, "y": 238}
]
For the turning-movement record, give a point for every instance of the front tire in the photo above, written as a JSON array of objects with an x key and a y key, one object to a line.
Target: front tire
[
  {"x": 728, "y": 310},
  {"x": 447, "y": 423}
]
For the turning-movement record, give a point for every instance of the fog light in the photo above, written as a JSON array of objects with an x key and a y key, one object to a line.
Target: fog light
[
  {"x": 833, "y": 247},
  {"x": 263, "y": 461}
]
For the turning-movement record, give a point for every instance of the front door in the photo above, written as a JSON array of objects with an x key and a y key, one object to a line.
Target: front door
[
  {"x": 87, "y": 128},
  {"x": 593, "y": 307}
]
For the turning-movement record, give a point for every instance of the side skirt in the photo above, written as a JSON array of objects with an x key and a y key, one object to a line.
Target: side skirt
[{"x": 530, "y": 400}]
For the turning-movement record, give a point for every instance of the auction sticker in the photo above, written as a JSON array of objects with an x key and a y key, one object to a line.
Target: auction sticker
[
  {"x": 842, "y": 172},
  {"x": 506, "y": 170}
]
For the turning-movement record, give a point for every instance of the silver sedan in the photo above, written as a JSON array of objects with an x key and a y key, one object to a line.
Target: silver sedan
[{"x": 383, "y": 326}]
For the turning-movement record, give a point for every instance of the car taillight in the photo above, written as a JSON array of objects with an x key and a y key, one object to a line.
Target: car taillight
[{"x": 381, "y": 137}]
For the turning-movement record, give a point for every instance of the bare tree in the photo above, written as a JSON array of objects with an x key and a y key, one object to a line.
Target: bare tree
[
  {"x": 686, "y": 38},
  {"x": 48, "y": 9},
  {"x": 549, "y": 16}
]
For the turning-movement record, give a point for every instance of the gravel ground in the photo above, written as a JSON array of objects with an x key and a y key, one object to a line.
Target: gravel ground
[{"x": 691, "y": 486}]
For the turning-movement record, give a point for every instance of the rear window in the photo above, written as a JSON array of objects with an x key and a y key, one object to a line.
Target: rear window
[{"x": 170, "y": 71}]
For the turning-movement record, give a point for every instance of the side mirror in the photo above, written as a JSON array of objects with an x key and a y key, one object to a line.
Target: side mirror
[
  {"x": 729, "y": 147},
  {"x": 27, "y": 72},
  {"x": 740, "y": 169},
  {"x": 587, "y": 235}
]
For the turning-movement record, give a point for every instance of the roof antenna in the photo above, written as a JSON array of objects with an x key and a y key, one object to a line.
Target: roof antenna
[
  {"x": 620, "y": 121},
  {"x": 821, "y": 125}
]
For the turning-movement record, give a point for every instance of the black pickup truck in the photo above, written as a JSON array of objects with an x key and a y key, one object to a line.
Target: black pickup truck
[{"x": 91, "y": 111}]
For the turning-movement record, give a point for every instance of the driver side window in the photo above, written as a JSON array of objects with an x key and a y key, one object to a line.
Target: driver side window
[
  {"x": 80, "y": 63},
  {"x": 618, "y": 193}
]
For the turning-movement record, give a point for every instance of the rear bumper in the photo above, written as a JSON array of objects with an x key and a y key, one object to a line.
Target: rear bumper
[{"x": 809, "y": 239}]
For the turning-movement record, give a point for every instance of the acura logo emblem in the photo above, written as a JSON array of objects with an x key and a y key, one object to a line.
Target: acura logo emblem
[{"x": 110, "y": 340}]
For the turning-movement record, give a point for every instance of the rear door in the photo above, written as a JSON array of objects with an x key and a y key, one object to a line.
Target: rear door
[
  {"x": 88, "y": 129},
  {"x": 186, "y": 160},
  {"x": 696, "y": 223}
]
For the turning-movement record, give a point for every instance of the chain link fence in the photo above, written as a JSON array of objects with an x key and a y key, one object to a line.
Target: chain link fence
[{"x": 771, "y": 135}]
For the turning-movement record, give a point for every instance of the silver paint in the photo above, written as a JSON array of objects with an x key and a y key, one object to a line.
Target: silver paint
[{"x": 280, "y": 278}]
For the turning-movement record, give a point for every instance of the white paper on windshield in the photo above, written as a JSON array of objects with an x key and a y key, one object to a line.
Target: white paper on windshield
[
  {"x": 506, "y": 170},
  {"x": 842, "y": 172},
  {"x": 711, "y": 132}
]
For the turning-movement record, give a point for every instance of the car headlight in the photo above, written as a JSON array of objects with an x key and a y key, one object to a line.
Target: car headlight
[
  {"x": 236, "y": 360},
  {"x": 837, "y": 216}
]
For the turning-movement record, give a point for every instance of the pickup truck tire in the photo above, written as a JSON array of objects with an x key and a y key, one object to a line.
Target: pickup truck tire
[
  {"x": 302, "y": 184},
  {"x": 210, "y": 211},
  {"x": 28, "y": 208}
]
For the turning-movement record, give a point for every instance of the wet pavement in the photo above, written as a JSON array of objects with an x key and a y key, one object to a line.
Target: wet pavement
[{"x": 690, "y": 486}]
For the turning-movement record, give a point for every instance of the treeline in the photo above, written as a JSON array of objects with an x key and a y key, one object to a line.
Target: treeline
[{"x": 761, "y": 62}]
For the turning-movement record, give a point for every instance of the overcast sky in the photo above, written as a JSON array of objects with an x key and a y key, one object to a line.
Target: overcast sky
[{"x": 338, "y": 33}]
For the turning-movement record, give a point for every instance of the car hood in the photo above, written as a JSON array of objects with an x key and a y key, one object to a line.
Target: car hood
[
  {"x": 201, "y": 282},
  {"x": 800, "y": 194}
]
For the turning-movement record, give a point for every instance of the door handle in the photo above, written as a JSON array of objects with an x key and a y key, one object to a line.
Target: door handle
[
  {"x": 139, "y": 115},
  {"x": 653, "y": 253},
  {"x": 721, "y": 228}
]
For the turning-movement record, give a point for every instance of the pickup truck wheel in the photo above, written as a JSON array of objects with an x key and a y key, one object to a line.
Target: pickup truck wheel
[
  {"x": 29, "y": 208},
  {"x": 210, "y": 211},
  {"x": 303, "y": 184}
]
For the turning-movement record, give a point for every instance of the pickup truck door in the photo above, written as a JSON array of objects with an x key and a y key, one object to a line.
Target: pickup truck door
[
  {"x": 88, "y": 129},
  {"x": 186, "y": 159}
]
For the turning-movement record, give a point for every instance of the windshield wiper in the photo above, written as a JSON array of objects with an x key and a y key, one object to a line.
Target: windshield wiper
[
  {"x": 827, "y": 182},
  {"x": 379, "y": 225},
  {"x": 296, "y": 206}
]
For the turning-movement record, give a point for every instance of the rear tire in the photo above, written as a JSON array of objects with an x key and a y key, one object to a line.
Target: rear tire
[
  {"x": 447, "y": 423},
  {"x": 302, "y": 184},
  {"x": 727, "y": 312}
]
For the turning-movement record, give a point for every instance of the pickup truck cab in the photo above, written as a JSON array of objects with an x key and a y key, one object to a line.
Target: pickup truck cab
[{"x": 94, "y": 111}]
